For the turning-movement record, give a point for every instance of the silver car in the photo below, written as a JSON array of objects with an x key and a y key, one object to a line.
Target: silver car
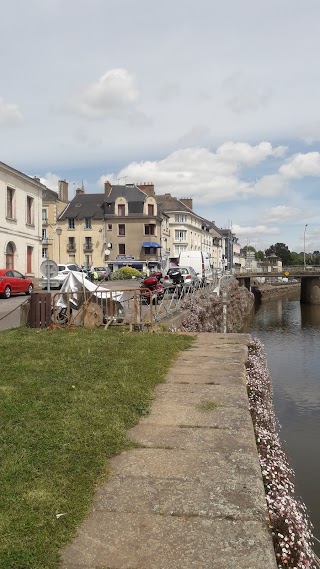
[{"x": 188, "y": 278}]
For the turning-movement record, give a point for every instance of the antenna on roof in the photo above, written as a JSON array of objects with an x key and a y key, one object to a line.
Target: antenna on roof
[{"x": 121, "y": 178}]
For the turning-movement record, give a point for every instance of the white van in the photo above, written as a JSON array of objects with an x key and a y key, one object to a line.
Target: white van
[{"x": 200, "y": 262}]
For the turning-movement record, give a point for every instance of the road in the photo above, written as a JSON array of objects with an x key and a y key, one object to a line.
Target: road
[{"x": 10, "y": 311}]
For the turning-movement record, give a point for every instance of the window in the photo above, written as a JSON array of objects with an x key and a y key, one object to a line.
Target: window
[
  {"x": 10, "y": 203},
  {"x": 121, "y": 229},
  {"x": 88, "y": 243},
  {"x": 150, "y": 250},
  {"x": 180, "y": 218},
  {"x": 30, "y": 201},
  {"x": 44, "y": 215},
  {"x": 44, "y": 234},
  {"x": 150, "y": 229},
  {"x": 70, "y": 223},
  {"x": 122, "y": 249},
  {"x": 45, "y": 252},
  {"x": 29, "y": 259},
  {"x": 87, "y": 223},
  {"x": 10, "y": 250},
  {"x": 121, "y": 209},
  {"x": 180, "y": 235},
  {"x": 71, "y": 244},
  {"x": 179, "y": 249},
  {"x": 109, "y": 227},
  {"x": 150, "y": 209}
]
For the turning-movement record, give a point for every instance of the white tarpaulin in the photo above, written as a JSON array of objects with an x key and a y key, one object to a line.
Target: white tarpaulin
[{"x": 82, "y": 288}]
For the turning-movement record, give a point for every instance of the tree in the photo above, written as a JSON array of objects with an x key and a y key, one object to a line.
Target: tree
[
  {"x": 260, "y": 256},
  {"x": 280, "y": 250}
]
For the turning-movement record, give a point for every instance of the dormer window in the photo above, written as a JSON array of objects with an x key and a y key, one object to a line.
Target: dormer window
[
  {"x": 150, "y": 210},
  {"x": 121, "y": 209}
]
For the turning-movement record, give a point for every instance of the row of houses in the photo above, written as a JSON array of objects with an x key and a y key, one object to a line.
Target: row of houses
[{"x": 123, "y": 225}]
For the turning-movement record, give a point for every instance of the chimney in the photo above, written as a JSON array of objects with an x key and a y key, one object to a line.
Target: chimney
[
  {"x": 63, "y": 191},
  {"x": 147, "y": 188},
  {"x": 107, "y": 189},
  {"x": 187, "y": 202}
]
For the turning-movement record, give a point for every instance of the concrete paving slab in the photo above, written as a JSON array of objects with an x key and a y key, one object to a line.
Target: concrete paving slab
[
  {"x": 183, "y": 465},
  {"x": 207, "y": 375},
  {"x": 194, "y": 439},
  {"x": 197, "y": 395},
  {"x": 239, "y": 498},
  {"x": 144, "y": 541},
  {"x": 173, "y": 414}
]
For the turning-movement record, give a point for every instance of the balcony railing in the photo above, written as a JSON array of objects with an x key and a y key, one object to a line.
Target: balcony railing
[
  {"x": 71, "y": 247},
  {"x": 87, "y": 248}
]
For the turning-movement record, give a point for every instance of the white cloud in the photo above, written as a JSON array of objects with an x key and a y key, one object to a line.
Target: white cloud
[
  {"x": 209, "y": 177},
  {"x": 301, "y": 165},
  {"x": 10, "y": 114},
  {"x": 243, "y": 93},
  {"x": 283, "y": 213},
  {"x": 271, "y": 185},
  {"x": 51, "y": 181},
  {"x": 114, "y": 95},
  {"x": 255, "y": 230},
  {"x": 243, "y": 153}
]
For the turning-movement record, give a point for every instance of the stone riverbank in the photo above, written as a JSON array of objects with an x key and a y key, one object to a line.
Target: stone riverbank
[{"x": 190, "y": 496}]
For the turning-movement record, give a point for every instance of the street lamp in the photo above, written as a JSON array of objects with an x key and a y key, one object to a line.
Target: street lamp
[
  {"x": 304, "y": 247},
  {"x": 58, "y": 232}
]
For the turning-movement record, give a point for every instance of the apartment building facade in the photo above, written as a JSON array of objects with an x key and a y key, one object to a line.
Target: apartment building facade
[
  {"x": 20, "y": 221},
  {"x": 53, "y": 204},
  {"x": 120, "y": 227},
  {"x": 189, "y": 231}
]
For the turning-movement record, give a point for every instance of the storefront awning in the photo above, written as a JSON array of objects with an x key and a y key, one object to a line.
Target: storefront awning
[{"x": 152, "y": 244}]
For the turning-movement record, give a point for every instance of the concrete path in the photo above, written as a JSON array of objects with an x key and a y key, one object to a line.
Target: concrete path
[{"x": 191, "y": 496}]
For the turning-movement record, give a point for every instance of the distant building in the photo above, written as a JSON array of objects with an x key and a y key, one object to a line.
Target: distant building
[
  {"x": 53, "y": 204},
  {"x": 120, "y": 227},
  {"x": 189, "y": 231}
]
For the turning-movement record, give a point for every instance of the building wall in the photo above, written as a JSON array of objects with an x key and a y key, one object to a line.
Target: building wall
[
  {"x": 132, "y": 240},
  {"x": 50, "y": 243},
  {"x": 17, "y": 231}
]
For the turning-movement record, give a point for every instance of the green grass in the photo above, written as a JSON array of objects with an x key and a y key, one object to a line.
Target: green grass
[
  {"x": 67, "y": 398},
  {"x": 208, "y": 406}
]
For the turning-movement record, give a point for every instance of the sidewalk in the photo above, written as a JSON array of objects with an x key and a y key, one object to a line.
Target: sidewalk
[{"x": 191, "y": 496}]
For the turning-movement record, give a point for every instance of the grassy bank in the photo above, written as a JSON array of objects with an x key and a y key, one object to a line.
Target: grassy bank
[{"x": 67, "y": 398}]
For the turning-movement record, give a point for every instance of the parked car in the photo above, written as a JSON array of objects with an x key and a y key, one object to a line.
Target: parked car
[
  {"x": 13, "y": 282},
  {"x": 63, "y": 271},
  {"x": 189, "y": 278},
  {"x": 104, "y": 273}
]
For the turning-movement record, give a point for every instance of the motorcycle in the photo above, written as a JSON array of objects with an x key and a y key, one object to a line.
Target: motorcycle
[{"x": 152, "y": 290}]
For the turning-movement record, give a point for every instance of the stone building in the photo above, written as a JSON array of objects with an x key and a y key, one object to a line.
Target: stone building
[{"x": 20, "y": 221}]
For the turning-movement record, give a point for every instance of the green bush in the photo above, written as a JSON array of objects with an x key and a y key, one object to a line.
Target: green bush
[{"x": 125, "y": 273}]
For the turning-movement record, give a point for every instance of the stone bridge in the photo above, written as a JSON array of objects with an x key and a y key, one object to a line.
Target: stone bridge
[{"x": 308, "y": 275}]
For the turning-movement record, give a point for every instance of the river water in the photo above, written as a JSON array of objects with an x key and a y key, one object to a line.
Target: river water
[{"x": 290, "y": 333}]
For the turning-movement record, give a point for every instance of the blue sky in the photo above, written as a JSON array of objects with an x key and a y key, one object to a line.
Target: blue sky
[{"x": 218, "y": 101}]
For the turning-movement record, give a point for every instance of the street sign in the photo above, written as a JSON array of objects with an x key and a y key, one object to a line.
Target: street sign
[
  {"x": 286, "y": 273},
  {"x": 49, "y": 269}
]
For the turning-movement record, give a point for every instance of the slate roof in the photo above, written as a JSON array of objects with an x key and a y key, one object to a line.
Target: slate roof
[
  {"x": 166, "y": 202},
  {"x": 49, "y": 195},
  {"x": 169, "y": 203},
  {"x": 84, "y": 205},
  {"x": 96, "y": 205}
]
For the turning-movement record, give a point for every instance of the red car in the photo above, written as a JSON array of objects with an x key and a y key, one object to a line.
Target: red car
[{"x": 13, "y": 282}]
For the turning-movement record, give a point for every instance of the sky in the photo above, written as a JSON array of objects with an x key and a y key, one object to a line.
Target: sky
[{"x": 217, "y": 100}]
